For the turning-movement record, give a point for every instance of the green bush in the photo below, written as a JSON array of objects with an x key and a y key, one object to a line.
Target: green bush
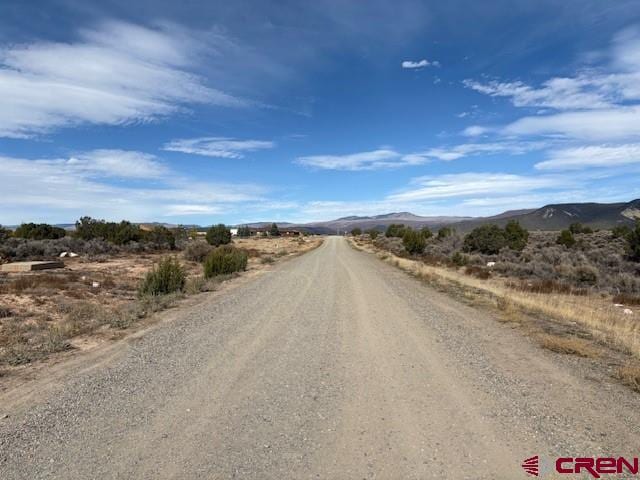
[
  {"x": 413, "y": 241},
  {"x": 633, "y": 243},
  {"x": 577, "y": 227},
  {"x": 88, "y": 228},
  {"x": 395, "y": 230},
  {"x": 459, "y": 259},
  {"x": 167, "y": 276},
  {"x": 621, "y": 231},
  {"x": 445, "y": 232},
  {"x": 488, "y": 239},
  {"x": 244, "y": 231},
  {"x": 5, "y": 233},
  {"x": 373, "y": 233},
  {"x": 566, "y": 238},
  {"x": 197, "y": 251},
  {"x": 39, "y": 231},
  {"x": 426, "y": 233},
  {"x": 274, "y": 231},
  {"x": 224, "y": 260},
  {"x": 218, "y": 235},
  {"x": 161, "y": 236},
  {"x": 516, "y": 236},
  {"x": 356, "y": 232}
]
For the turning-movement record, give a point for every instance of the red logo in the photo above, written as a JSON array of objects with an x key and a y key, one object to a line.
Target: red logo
[
  {"x": 596, "y": 467},
  {"x": 531, "y": 466}
]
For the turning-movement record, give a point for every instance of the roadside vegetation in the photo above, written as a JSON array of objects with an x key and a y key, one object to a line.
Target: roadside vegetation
[
  {"x": 576, "y": 277},
  {"x": 119, "y": 275}
]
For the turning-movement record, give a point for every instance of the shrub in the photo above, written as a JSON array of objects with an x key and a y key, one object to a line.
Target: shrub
[
  {"x": 5, "y": 233},
  {"x": 477, "y": 272},
  {"x": 426, "y": 233},
  {"x": 488, "y": 239},
  {"x": 161, "y": 236},
  {"x": 516, "y": 236},
  {"x": 121, "y": 233},
  {"x": 373, "y": 233},
  {"x": 633, "y": 243},
  {"x": 577, "y": 227},
  {"x": 166, "y": 277},
  {"x": 445, "y": 232},
  {"x": 274, "y": 231},
  {"x": 566, "y": 238},
  {"x": 197, "y": 251},
  {"x": 356, "y": 232},
  {"x": 413, "y": 241},
  {"x": 39, "y": 231},
  {"x": 244, "y": 231},
  {"x": 224, "y": 260},
  {"x": 218, "y": 235},
  {"x": 395, "y": 230},
  {"x": 459, "y": 259},
  {"x": 621, "y": 231}
]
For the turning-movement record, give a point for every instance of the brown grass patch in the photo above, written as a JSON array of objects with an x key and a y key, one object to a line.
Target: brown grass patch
[
  {"x": 626, "y": 299},
  {"x": 567, "y": 345},
  {"x": 629, "y": 375},
  {"x": 477, "y": 272},
  {"x": 547, "y": 286}
]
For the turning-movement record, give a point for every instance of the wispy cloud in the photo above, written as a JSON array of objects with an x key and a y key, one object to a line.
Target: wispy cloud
[
  {"x": 579, "y": 158},
  {"x": 218, "y": 146},
  {"x": 419, "y": 64},
  {"x": 456, "y": 152},
  {"x": 371, "y": 160},
  {"x": 474, "y": 184},
  {"x": 115, "y": 74},
  {"x": 598, "y": 104},
  {"x": 112, "y": 163},
  {"x": 106, "y": 183},
  {"x": 386, "y": 158}
]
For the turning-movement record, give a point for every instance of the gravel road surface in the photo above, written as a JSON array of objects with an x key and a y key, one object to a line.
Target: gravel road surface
[{"x": 333, "y": 365}]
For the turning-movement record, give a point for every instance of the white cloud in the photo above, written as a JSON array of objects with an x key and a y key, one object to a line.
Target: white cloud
[
  {"x": 591, "y": 156},
  {"x": 456, "y": 152},
  {"x": 217, "y": 146},
  {"x": 475, "y": 131},
  {"x": 419, "y": 64},
  {"x": 582, "y": 92},
  {"x": 112, "y": 75},
  {"x": 595, "y": 105},
  {"x": 59, "y": 190},
  {"x": 385, "y": 158},
  {"x": 373, "y": 160},
  {"x": 114, "y": 163},
  {"x": 594, "y": 125},
  {"x": 473, "y": 184},
  {"x": 190, "y": 209}
]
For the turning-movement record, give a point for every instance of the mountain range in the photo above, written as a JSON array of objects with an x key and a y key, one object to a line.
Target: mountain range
[{"x": 549, "y": 217}]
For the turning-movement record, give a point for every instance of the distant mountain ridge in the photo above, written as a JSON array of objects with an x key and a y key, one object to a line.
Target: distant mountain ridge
[
  {"x": 560, "y": 216},
  {"x": 550, "y": 217}
]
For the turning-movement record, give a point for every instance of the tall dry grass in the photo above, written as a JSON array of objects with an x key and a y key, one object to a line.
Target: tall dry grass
[{"x": 598, "y": 315}]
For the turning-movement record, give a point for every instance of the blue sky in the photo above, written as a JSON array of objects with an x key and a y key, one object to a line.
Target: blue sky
[{"x": 206, "y": 111}]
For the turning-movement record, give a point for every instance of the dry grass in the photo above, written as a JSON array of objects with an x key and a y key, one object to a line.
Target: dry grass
[
  {"x": 93, "y": 299},
  {"x": 629, "y": 375},
  {"x": 593, "y": 312},
  {"x": 567, "y": 345},
  {"x": 626, "y": 299}
]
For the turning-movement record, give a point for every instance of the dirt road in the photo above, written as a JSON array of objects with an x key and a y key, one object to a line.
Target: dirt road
[{"x": 334, "y": 365}]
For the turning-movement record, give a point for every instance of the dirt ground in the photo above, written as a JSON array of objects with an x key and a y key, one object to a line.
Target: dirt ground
[
  {"x": 334, "y": 365},
  {"x": 80, "y": 306}
]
